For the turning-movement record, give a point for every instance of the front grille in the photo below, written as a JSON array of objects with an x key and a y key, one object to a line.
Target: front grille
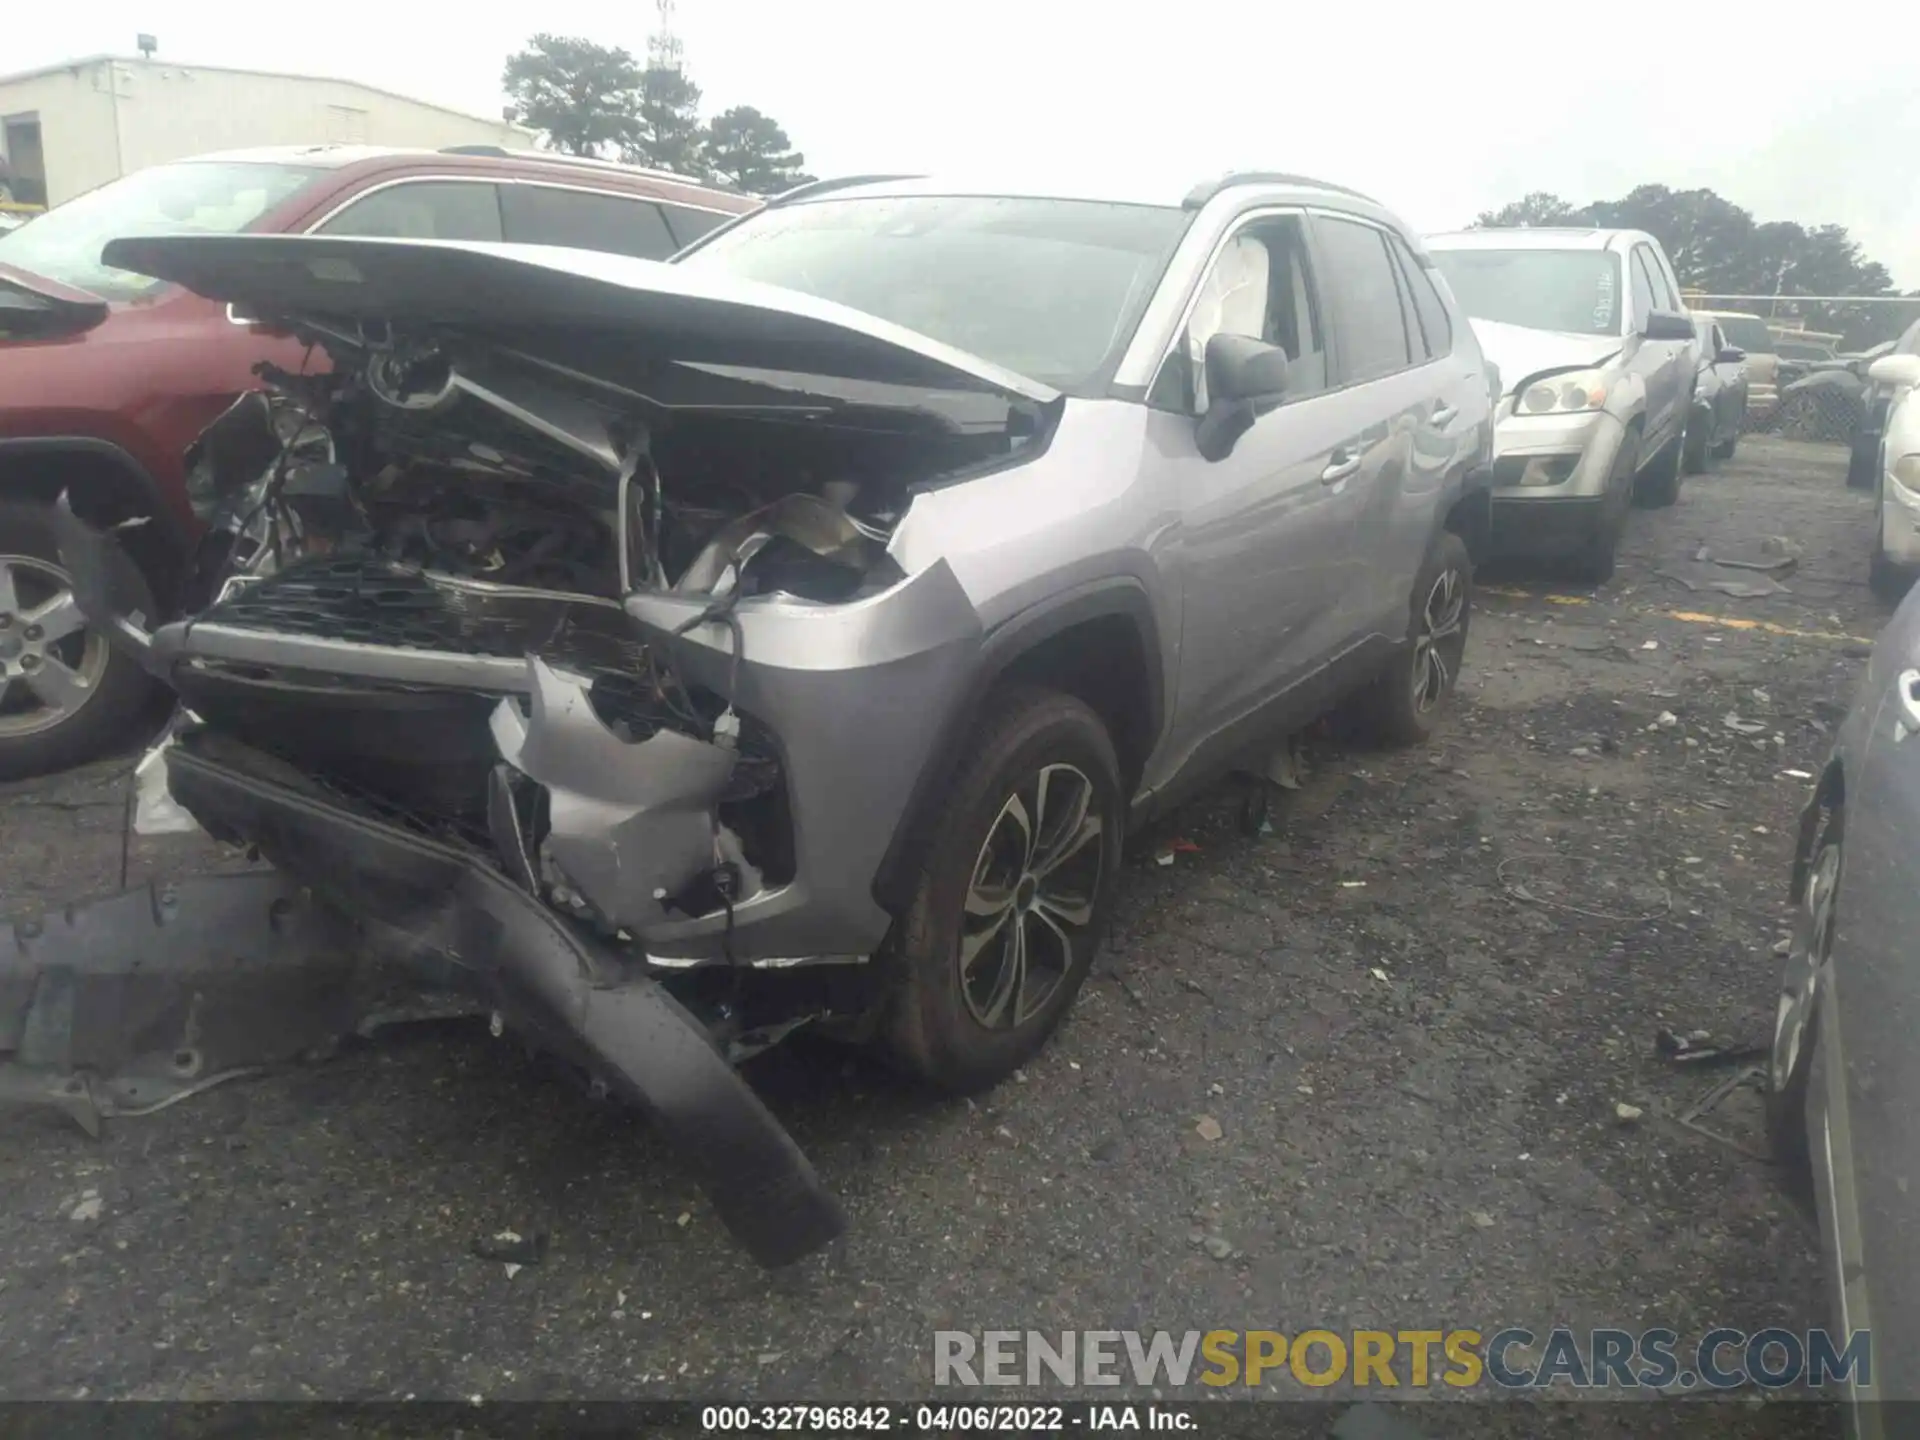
[{"x": 368, "y": 601}]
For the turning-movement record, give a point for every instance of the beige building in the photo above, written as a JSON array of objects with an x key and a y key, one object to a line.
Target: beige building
[{"x": 66, "y": 128}]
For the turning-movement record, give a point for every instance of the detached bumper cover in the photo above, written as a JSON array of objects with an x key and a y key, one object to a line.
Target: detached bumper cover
[{"x": 434, "y": 897}]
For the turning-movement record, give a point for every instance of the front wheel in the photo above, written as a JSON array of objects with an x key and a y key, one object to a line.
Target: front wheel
[
  {"x": 1699, "y": 446},
  {"x": 1403, "y": 703},
  {"x": 1658, "y": 486},
  {"x": 1014, "y": 897},
  {"x": 66, "y": 696}
]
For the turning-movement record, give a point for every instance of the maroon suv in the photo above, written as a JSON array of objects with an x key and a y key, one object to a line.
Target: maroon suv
[{"x": 106, "y": 377}]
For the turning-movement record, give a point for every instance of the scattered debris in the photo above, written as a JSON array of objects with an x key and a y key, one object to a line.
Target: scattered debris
[
  {"x": 510, "y": 1248},
  {"x": 1749, "y": 589},
  {"x": 1650, "y": 645},
  {"x": 686, "y": 1217},
  {"x": 1184, "y": 847},
  {"x": 1626, "y": 1114},
  {"x": 1783, "y": 946},
  {"x": 1165, "y": 857},
  {"x": 89, "y": 1207},
  {"x": 1742, "y": 727},
  {"x": 1218, "y": 1246},
  {"x": 1482, "y": 1219},
  {"x": 1796, "y": 775},
  {"x": 1216, "y": 1088},
  {"x": 1699, "y": 1048},
  {"x": 1665, "y": 721},
  {"x": 1353, "y": 884},
  {"x": 1208, "y": 1128},
  {"x": 1380, "y": 975}
]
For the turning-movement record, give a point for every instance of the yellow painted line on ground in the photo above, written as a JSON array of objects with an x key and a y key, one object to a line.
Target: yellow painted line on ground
[
  {"x": 1533, "y": 595},
  {"x": 1733, "y": 622},
  {"x": 1692, "y": 617}
]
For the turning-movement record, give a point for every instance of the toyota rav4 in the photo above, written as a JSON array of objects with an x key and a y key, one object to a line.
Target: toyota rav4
[{"x": 788, "y": 634}]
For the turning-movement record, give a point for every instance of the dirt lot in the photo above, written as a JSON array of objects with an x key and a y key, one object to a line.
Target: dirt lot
[{"x": 1412, "y": 1010}]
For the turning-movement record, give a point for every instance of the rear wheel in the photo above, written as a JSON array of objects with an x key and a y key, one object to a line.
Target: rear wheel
[
  {"x": 1790, "y": 1063},
  {"x": 66, "y": 696},
  {"x": 1658, "y": 486},
  {"x": 1404, "y": 701},
  {"x": 1699, "y": 445},
  {"x": 1725, "y": 448},
  {"x": 1862, "y": 460},
  {"x": 1014, "y": 897}
]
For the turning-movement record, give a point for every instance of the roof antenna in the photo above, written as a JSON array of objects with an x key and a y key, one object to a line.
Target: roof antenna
[{"x": 147, "y": 46}]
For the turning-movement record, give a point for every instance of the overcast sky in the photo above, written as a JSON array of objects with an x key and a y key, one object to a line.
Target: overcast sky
[{"x": 1796, "y": 111}]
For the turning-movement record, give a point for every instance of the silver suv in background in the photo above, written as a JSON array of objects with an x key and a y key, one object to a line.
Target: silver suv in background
[
  {"x": 787, "y": 634},
  {"x": 1598, "y": 357}
]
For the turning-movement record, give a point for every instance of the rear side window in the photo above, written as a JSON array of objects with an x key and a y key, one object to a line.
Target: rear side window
[
  {"x": 1642, "y": 284},
  {"x": 423, "y": 210},
  {"x": 1430, "y": 313},
  {"x": 689, "y": 224},
  {"x": 547, "y": 215},
  {"x": 1663, "y": 296},
  {"x": 1369, "y": 327}
]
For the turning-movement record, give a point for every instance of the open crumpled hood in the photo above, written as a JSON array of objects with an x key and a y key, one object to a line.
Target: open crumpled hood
[
  {"x": 1522, "y": 352},
  {"x": 687, "y": 315}
]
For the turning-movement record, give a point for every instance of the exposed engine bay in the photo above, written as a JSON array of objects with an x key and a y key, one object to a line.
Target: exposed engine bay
[{"x": 432, "y": 498}]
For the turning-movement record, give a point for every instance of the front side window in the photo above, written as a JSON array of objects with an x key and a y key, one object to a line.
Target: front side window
[
  {"x": 1643, "y": 301},
  {"x": 423, "y": 210},
  {"x": 1574, "y": 291},
  {"x": 1260, "y": 285},
  {"x": 1749, "y": 332},
  {"x": 1370, "y": 327},
  {"x": 197, "y": 197},
  {"x": 1050, "y": 289}
]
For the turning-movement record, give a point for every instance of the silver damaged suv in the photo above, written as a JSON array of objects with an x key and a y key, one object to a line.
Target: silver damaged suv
[{"x": 789, "y": 633}]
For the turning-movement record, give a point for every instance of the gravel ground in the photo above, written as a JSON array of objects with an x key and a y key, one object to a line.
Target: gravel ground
[{"x": 1412, "y": 1011}]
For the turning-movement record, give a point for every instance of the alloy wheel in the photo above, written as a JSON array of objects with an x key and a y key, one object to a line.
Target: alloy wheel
[
  {"x": 50, "y": 663},
  {"x": 1807, "y": 957},
  {"x": 1440, "y": 641},
  {"x": 1031, "y": 901}
]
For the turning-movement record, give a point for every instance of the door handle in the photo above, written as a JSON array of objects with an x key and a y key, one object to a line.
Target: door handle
[
  {"x": 1906, "y": 692},
  {"x": 1443, "y": 413},
  {"x": 1343, "y": 466}
]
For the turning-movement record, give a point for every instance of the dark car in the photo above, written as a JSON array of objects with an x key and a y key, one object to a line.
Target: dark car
[
  {"x": 1863, "y": 464},
  {"x": 106, "y": 377},
  {"x": 1719, "y": 397},
  {"x": 1845, "y": 1071}
]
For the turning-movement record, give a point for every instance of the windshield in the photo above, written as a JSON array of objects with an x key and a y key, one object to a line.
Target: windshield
[
  {"x": 1050, "y": 289},
  {"x": 199, "y": 197},
  {"x": 1747, "y": 332},
  {"x": 1574, "y": 291}
]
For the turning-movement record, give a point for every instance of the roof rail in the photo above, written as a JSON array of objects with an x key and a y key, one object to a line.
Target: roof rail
[
  {"x": 1207, "y": 189},
  {"x": 585, "y": 162},
  {"x": 838, "y": 182}
]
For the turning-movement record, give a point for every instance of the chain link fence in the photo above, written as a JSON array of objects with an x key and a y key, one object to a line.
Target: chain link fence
[{"x": 1807, "y": 358}]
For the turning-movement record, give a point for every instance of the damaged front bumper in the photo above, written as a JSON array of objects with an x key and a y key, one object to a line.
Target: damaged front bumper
[{"x": 430, "y": 900}]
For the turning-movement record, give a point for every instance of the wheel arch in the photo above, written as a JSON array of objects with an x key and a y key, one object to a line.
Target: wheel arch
[
  {"x": 1829, "y": 795},
  {"x": 108, "y": 487},
  {"x": 1098, "y": 642}
]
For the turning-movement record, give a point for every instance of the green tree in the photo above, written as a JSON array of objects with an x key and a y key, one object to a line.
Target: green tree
[
  {"x": 750, "y": 152},
  {"x": 1538, "y": 208},
  {"x": 667, "y": 134},
  {"x": 585, "y": 98}
]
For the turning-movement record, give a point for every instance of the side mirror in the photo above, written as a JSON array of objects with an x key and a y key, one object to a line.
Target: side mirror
[
  {"x": 1731, "y": 355},
  {"x": 1245, "y": 377},
  {"x": 1901, "y": 372},
  {"x": 1667, "y": 325}
]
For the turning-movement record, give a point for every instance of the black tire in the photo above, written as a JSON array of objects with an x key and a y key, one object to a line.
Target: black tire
[
  {"x": 1888, "y": 580},
  {"x": 1698, "y": 448},
  {"x": 121, "y": 692},
  {"x": 1658, "y": 486},
  {"x": 1861, "y": 463},
  {"x": 1594, "y": 562},
  {"x": 1402, "y": 703},
  {"x": 939, "y": 1021},
  {"x": 1724, "y": 450},
  {"x": 1790, "y": 1067}
]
